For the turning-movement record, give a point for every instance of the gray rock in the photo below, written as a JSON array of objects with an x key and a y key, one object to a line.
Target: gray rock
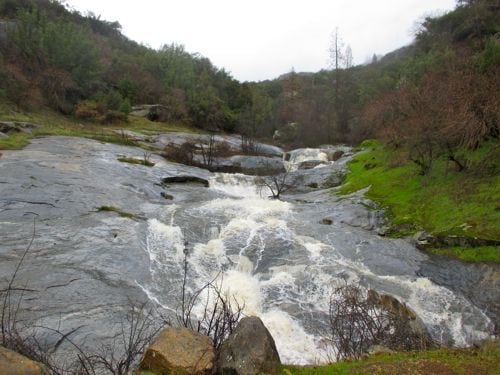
[
  {"x": 233, "y": 142},
  {"x": 251, "y": 165},
  {"x": 153, "y": 112},
  {"x": 179, "y": 351},
  {"x": 249, "y": 350},
  {"x": 335, "y": 155},
  {"x": 310, "y": 164},
  {"x": 9, "y": 127}
]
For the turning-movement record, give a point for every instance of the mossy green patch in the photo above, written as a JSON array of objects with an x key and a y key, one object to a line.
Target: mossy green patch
[
  {"x": 470, "y": 254},
  {"x": 15, "y": 141},
  {"x": 445, "y": 202},
  {"x": 130, "y": 160},
  {"x": 120, "y": 212},
  {"x": 52, "y": 123}
]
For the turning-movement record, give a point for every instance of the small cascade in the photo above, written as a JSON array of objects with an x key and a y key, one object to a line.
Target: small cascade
[
  {"x": 235, "y": 185},
  {"x": 296, "y": 157},
  {"x": 272, "y": 258}
]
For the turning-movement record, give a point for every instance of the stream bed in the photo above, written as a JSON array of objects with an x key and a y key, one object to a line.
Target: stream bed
[{"x": 278, "y": 258}]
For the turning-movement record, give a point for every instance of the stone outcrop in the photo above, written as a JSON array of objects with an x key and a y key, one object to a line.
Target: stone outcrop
[
  {"x": 185, "y": 180},
  {"x": 12, "y": 363},
  {"x": 153, "y": 112},
  {"x": 9, "y": 127},
  {"x": 249, "y": 350},
  {"x": 424, "y": 240},
  {"x": 250, "y": 165},
  {"x": 310, "y": 164},
  {"x": 179, "y": 351}
]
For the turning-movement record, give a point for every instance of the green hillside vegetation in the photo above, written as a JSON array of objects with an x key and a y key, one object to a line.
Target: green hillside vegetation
[
  {"x": 51, "y": 57},
  {"x": 442, "y": 202},
  {"x": 55, "y": 123}
]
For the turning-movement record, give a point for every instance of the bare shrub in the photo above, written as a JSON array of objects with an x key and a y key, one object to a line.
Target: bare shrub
[
  {"x": 220, "y": 312},
  {"x": 249, "y": 145},
  {"x": 276, "y": 183},
  {"x": 137, "y": 330},
  {"x": 358, "y": 321},
  {"x": 183, "y": 154}
]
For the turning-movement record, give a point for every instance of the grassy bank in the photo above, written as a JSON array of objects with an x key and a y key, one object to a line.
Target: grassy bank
[
  {"x": 485, "y": 360},
  {"x": 52, "y": 123},
  {"x": 444, "y": 202}
]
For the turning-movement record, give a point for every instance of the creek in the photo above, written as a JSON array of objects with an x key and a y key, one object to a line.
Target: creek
[{"x": 275, "y": 257}]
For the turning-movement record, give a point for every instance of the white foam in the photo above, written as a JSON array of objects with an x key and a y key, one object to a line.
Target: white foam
[
  {"x": 438, "y": 306},
  {"x": 244, "y": 265},
  {"x": 239, "y": 287},
  {"x": 235, "y": 185},
  {"x": 305, "y": 154},
  {"x": 165, "y": 240},
  {"x": 295, "y": 346},
  {"x": 247, "y": 207}
]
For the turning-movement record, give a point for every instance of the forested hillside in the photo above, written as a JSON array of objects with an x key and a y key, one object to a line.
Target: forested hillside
[
  {"x": 434, "y": 97},
  {"x": 440, "y": 92},
  {"x": 76, "y": 64}
]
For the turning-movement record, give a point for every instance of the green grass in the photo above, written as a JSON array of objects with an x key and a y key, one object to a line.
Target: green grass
[
  {"x": 130, "y": 160},
  {"x": 470, "y": 254},
  {"x": 445, "y": 202},
  {"x": 485, "y": 360},
  {"x": 120, "y": 212},
  {"x": 53, "y": 123}
]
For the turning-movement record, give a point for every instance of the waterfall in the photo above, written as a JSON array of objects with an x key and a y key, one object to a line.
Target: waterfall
[{"x": 276, "y": 260}]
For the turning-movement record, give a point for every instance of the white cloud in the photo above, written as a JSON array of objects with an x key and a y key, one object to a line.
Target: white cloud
[{"x": 259, "y": 39}]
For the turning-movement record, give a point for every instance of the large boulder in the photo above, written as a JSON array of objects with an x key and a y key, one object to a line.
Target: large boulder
[
  {"x": 153, "y": 112},
  {"x": 179, "y": 351},
  {"x": 12, "y": 363},
  {"x": 249, "y": 350}
]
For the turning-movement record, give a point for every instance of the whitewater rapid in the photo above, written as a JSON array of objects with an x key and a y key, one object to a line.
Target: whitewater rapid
[{"x": 274, "y": 258}]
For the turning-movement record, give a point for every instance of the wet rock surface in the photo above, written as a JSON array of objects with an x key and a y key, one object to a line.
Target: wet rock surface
[
  {"x": 249, "y": 350},
  {"x": 84, "y": 266}
]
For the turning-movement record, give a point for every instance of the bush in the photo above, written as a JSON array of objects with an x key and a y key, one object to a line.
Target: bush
[
  {"x": 358, "y": 322},
  {"x": 87, "y": 110}
]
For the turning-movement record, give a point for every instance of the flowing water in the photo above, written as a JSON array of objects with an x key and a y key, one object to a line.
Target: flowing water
[
  {"x": 273, "y": 256},
  {"x": 279, "y": 262}
]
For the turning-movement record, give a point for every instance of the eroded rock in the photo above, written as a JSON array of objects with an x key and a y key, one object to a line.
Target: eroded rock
[
  {"x": 249, "y": 350},
  {"x": 179, "y": 351},
  {"x": 184, "y": 180}
]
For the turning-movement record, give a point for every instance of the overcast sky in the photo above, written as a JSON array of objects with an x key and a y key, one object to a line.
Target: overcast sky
[{"x": 261, "y": 39}]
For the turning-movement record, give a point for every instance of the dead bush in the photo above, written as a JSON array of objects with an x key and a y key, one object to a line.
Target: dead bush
[
  {"x": 359, "y": 320},
  {"x": 220, "y": 312}
]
